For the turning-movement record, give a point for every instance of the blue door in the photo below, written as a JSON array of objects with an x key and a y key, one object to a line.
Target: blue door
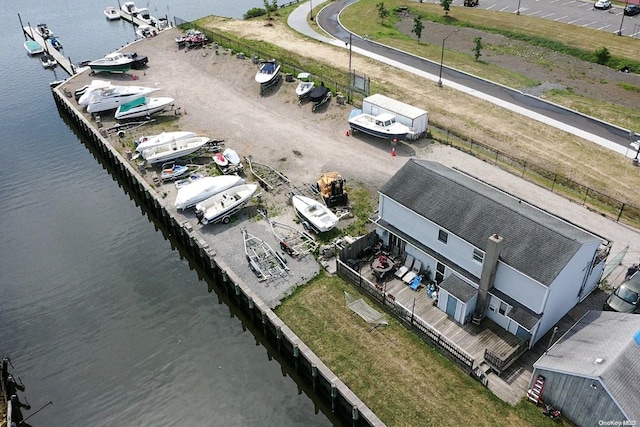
[{"x": 452, "y": 304}]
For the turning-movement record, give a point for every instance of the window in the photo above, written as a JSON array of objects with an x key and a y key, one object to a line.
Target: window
[
  {"x": 439, "y": 272},
  {"x": 503, "y": 308},
  {"x": 443, "y": 236},
  {"x": 478, "y": 256}
]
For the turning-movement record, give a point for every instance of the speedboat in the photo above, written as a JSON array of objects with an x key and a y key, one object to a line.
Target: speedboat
[
  {"x": 163, "y": 138},
  {"x": 112, "y": 97},
  {"x": 111, "y": 13},
  {"x": 381, "y": 126},
  {"x": 48, "y": 61},
  {"x": 83, "y": 95},
  {"x": 56, "y": 43},
  {"x": 112, "y": 63},
  {"x": 319, "y": 96},
  {"x": 268, "y": 71},
  {"x": 44, "y": 31},
  {"x": 173, "y": 150},
  {"x": 305, "y": 86},
  {"x": 315, "y": 215},
  {"x": 220, "y": 207},
  {"x": 129, "y": 8},
  {"x": 33, "y": 47},
  {"x": 231, "y": 156},
  {"x": 166, "y": 141},
  {"x": 145, "y": 30},
  {"x": 203, "y": 188},
  {"x": 143, "y": 107}
]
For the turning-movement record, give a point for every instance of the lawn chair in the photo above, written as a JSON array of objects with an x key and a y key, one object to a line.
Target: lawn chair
[
  {"x": 417, "y": 281},
  {"x": 408, "y": 278},
  {"x": 408, "y": 263}
]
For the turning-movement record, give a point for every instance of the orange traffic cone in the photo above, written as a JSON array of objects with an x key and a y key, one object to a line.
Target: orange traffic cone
[
  {"x": 393, "y": 152},
  {"x": 347, "y": 132}
]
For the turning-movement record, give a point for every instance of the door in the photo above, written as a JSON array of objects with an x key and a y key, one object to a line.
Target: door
[
  {"x": 452, "y": 304},
  {"x": 439, "y": 272}
]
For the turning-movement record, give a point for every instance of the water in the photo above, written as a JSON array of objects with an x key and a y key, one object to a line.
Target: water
[{"x": 97, "y": 312}]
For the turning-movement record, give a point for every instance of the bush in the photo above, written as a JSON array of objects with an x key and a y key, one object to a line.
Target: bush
[
  {"x": 254, "y": 13},
  {"x": 603, "y": 56}
]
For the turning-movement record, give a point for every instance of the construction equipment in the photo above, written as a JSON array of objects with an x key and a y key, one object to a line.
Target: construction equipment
[{"x": 331, "y": 187}]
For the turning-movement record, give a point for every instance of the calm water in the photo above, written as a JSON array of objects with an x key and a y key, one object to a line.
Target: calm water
[{"x": 97, "y": 312}]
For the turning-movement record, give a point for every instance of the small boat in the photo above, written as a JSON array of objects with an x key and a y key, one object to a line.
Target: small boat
[
  {"x": 186, "y": 181},
  {"x": 44, "y": 31},
  {"x": 381, "y": 126},
  {"x": 111, "y": 13},
  {"x": 174, "y": 150},
  {"x": 112, "y": 63},
  {"x": 48, "y": 61},
  {"x": 129, "y": 8},
  {"x": 268, "y": 72},
  {"x": 56, "y": 43},
  {"x": 164, "y": 141},
  {"x": 231, "y": 156},
  {"x": 220, "y": 207},
  {"x": 220, "y": 160},
  {"x": 305, "y": 86},
  {"x": 112, "y": 97},
  {"x": 146, "y": 30},
  {"x": 203, "y": 188},
  {"x": 33, "y": 47},
  {"x": 150, "y": 141},
  {"x": 143, "y": 107},
  {"x": 83, "y": 95},
  {"x": 319, "y": 96},
  {"x": 314, "y": 214},
  {"x": 171, "y": 171}
]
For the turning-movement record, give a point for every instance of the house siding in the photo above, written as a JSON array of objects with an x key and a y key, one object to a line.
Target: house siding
[{"x": 578, "y": 401}]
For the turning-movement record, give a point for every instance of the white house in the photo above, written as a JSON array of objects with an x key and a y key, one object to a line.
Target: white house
[{"x": 491, "y": 254}]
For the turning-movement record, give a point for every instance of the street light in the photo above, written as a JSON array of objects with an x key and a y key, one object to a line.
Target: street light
[
  {"x": 622, "y": 20},
  {"x": 518, "y": 11},
  {"x": 442, "y": 56}
]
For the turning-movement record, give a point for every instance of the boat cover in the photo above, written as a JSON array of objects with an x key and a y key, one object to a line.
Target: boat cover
[
  {"x": 318, "y": 94},
  {"x": 133, "y": 104}
]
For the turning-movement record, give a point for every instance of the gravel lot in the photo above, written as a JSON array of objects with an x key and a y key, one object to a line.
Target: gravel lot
[{"x": 218, "y": 97}]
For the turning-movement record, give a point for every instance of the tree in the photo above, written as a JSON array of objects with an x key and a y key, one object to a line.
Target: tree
[
  {"x": 603, "y": 55},
  {"x": 446, "y": 5},
  {"x": 383, "y": 12},
  {"x": 478, "y": 46},
  {"x": 418, "y": 26}
]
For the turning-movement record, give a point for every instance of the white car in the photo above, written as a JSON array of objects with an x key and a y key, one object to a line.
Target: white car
[{"x": 602, "y": 4}]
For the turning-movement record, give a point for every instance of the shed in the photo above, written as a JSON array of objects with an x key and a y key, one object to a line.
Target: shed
[{"x": 414, "y": 117}]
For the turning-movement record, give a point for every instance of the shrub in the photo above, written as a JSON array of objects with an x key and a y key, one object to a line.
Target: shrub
[{"x": 254, "y": 13}]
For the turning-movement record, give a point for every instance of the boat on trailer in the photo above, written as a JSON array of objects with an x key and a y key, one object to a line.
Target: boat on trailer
[
  {"x": 201, "y": 189},
  {"x": 381, "y": 126},
  {"x": 319, "y": 96},
  {"x": 150, "y": 141},
  {"x": 173, "y": 150},
  {"x": 112, "y": 63},
  {"x": 143, "y": 107},
  {"x": 220, "y": 207},
  {"x": 315, "y": 216},
  {"x": 305, "y": 86}
]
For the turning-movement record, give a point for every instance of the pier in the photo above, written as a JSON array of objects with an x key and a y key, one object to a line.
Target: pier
[{"x": 30, "y": 33}]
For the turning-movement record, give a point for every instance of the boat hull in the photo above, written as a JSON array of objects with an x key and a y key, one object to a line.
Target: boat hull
[
  {"x": 382, "y": 126},
  {"x": 151, "y": 141},
  {"x": 378, "y": 134},
  {"x": 172, "y": 151},
  {"x": 98, "y": 103},
  {"x": 110, "y": 68},
  {"x": 151, "y": 106},
  {"x": 317, "y": 216},
  {"x": 203, "y": 188},
  {"x": 268, "y": 72},
  {"x": 220, "y": 207}
]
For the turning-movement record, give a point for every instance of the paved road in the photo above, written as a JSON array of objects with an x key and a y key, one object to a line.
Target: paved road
[{"x": 604, "y": 134}]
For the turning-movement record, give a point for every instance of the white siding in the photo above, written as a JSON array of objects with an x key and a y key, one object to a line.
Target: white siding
[{"x": 521, "y": 288}]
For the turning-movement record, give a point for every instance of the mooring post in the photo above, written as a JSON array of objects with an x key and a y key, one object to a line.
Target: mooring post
[
  {"x": 334, "y": 393},
  {"x": 314, "y": 375}
]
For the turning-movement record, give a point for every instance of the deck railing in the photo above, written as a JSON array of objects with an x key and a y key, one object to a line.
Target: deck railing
[{"x": 498, "y": 364}]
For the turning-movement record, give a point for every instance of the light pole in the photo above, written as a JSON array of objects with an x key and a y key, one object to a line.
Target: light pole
[
  {"x": 626, "y": 4},
  {"x": 518, "y": 11},
  {"x": 442, "y": 56}
]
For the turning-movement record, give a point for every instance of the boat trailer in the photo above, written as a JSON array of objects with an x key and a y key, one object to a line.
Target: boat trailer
[
  {"x": 294, "y": 242},
  {"x": 268, "y": 177},
  {"x": 263, "y": 261}
]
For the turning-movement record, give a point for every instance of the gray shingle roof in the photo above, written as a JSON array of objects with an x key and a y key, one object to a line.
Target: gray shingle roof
[
  {"x": 609, "y": 336},
  {"x": 535, "y": 242},
  {"x": 458, "y": 288}
]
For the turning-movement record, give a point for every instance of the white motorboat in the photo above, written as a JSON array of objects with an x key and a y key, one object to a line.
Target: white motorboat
[
  {"x": 381, "y": 126},
  {"x": 305, "y": 86},
  {"x": 83, "y": 95},
  {"x": 129, "y": 8},
  {"x": 168, "y": 141},
  {"x": 172, "y": 171},
  {"x": 146, "y": 30},
  {"x": 44, "y": 31},
  {"x": 232, "y": 156},
  {"x": 143, "y": 107},
  {"x": 112, "y": 97},
  {"x": 111, "y": 13},
  {"x": 203, "y": 188},
  {"x": 163, "y": 138},
  {"x": 315, "y": 215},
  {"x": 173, "y": 150},
  {"x": 48, "y": 61},
  {"x": 268, "y": 71},
  {"x": 220, "y": 207},
  {"x": 33, "y": 47},
  {"x": 112, "y": 63}
]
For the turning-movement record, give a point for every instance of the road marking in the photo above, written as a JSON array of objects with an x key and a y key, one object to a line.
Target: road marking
[
  {"x": 557, "y": 19},
  {"x": 590, "y": 23},
  {"x": 576, "y": 20},
  {"x": 491, "y": 7},
  {"x": 602, "y": 28},
  {"x": 585, "y": 4},
  {"x": 546, "y": 16},
  {"x": 535, "y": 13},
  {"x": 566, "y": 4},
  {"x": 504, "y": 8}
]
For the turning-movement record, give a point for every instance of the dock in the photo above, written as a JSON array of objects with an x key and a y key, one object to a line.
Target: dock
[{"x": 63, "y": 61}]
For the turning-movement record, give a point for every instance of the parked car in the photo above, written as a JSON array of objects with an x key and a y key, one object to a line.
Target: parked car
[
  {"x": 602, "y": 4},
  {"x": 626, "y": 298},
  {"x": 632, "y": 10}
]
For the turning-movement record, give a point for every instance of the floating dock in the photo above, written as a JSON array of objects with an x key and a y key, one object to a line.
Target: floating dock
[{"x": 64, "y": 62}]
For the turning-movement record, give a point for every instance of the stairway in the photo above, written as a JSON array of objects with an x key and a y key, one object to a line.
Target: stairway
[{"x": 535, "y": 393}]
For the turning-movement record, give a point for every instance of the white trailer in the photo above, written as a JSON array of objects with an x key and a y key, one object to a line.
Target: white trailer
[{"x": 408, "y": 115}]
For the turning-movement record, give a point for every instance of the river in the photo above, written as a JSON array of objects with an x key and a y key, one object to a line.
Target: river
[{"x": 99, "y": 314}]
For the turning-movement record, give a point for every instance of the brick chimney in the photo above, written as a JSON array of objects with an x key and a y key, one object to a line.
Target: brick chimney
[{"x": 489, "y": 266}]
